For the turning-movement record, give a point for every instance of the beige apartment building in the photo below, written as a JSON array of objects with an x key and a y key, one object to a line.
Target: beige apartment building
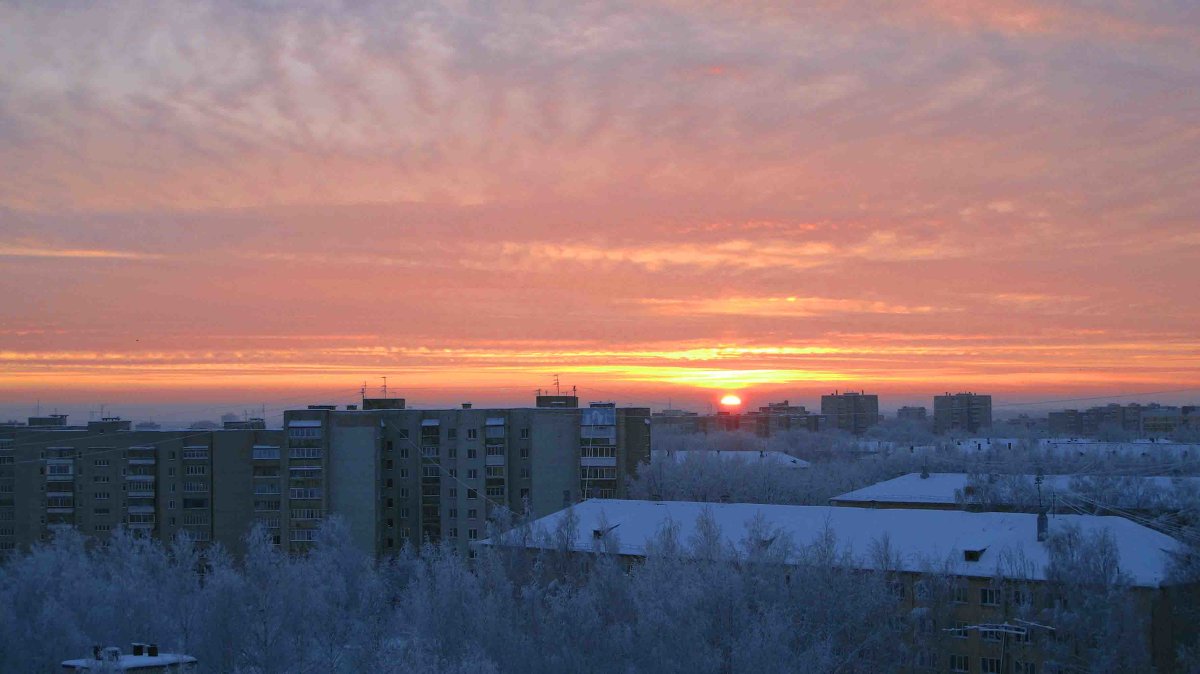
[
  {"x": 850, "y": 412},
  {"x": 393, "y": 474},
  {"x": 103, "y": 476},
  {"x": 397, "y": 474}
]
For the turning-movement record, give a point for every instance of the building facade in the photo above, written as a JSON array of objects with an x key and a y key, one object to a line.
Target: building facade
[
  {"x": 399, "y": 475},
  {"x": 916, "y": 414},
  {"x": 850, "y": 412},
  {"x": 103, "y": 476},
  {"x": 966, "y": 412},
  {"x": 393, "y": 474}
]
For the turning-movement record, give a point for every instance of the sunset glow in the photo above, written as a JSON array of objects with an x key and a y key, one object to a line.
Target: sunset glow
[
  {"x": 658, "y": 202},
  {"x": 731, "y": 401}
]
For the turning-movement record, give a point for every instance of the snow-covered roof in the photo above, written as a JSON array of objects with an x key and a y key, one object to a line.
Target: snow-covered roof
[
  {"x": 945, "y": 488},
  {"x": 767, "y": 457},
  {"x": 129, "y": 663},
  {"x": 921, "y": 539}
]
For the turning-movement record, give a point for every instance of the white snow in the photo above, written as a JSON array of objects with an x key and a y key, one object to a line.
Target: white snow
[
  {"x": 924, "y": 540},
  {"x": 766, "y": 457},
  {"x": 948, "y": 488}
]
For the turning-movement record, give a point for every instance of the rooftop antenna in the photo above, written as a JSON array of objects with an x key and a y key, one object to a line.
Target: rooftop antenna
[
  {"x": 557, "y": 390},
  {"x": 362, "y": 393},
  {"x": 384, "y": 386}
]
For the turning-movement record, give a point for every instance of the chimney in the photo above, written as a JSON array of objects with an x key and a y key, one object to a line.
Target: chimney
[
  {"x": 96, "y": 650},
  {"x": 466, "y": 406},
  {"x": 152, "y": 650},
  {"x": 1043, "y": 526},
  {"x": 139, "y": 648}
]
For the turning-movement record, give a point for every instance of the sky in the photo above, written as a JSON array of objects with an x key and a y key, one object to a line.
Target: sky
[{"x": 659, "y": 201}]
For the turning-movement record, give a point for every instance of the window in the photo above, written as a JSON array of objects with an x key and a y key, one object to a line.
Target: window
[
  {"x": 404, "y": 513},
  {"x": 494, "y": 471},
  {"x": 472, "y": 534},
  {"x": 303, "y": 535},
  {"x": 429, "y": 471},
  {"x": 453, "y": 492},
  {"x": 452, "y": 532},
  {"x": 959, "y": 663},
  {"x": 452, "y": 452},
  {"x": 472, "y": 474},
  {"x": 195, "y": 453},
  {"x": 305, "y": 453},
  {"x": 472, "y": 494},
  {"x": 170, "y": 472},
  {"x": 472, "y": 452},
  {"x": 100, "y": 463},
  {"x": 989, "y": 596},
  {"x": 171, "y": 504},
  {"x": 195, "y": 503},
  {"x": 990, "y": 635},
  {"x": 525, "y": 473},
  {"x": 266, "y": 505},
  {"x": 472, "y": 513},
  {"x": 452, "y": 513},
  {"x": 404, "y": 452},
  {"x": 524, "y": 492},
  {"x": 472, "y": 433},
  {"x": 403, "y": 473},
  {"x": 524, "y": 433},
  {"x": 959, "y": 631},
  {"x": 102, "y": 527},
  {"x": 961, "y": 594},
  {"x": 1020, "y": 667},
  {"x": 403, "y": 492},
  {"x": 100, "y": 511},
  {"x": 926, "y": 660},
  {"x": 265, "y": 453},
  {"x": 451, "y": 433},
  {"x": 495, "y": 450},
  {"x": 387, "y": 464},
  {"x": 989, "y": 665},
  {"x": 196, "y": 470},
  {"x": 304, "y": 492},
  {"x": 389, "y": 483},
  {"x": 495, "y": 492},
  {"x": 1020, "y": 597},
  {"x": 524, "y": 452}
]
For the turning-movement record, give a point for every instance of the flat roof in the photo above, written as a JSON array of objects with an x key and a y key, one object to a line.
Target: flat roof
[
  {"x": 753, "y": 457},
  {"x": 948, "y": 488},
  {"x": 921, "y": 539}
]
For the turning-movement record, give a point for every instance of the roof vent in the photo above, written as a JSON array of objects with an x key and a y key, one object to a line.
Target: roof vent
[
  {"x": 600, "y": 533},
  {"x": 973, "y": 555}
]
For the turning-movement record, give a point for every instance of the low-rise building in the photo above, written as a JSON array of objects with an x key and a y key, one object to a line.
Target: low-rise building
[{"x": 994, "y": 620}]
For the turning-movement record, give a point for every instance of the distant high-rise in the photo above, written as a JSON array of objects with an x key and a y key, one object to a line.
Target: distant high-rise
[
  {"x": 918, "y": 414},
  {"x": 851, "y": 412},
  {"x": 967, "y": 412}
]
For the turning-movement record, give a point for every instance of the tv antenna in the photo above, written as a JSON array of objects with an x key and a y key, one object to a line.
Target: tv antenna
[{"x": 384, "y": 385}]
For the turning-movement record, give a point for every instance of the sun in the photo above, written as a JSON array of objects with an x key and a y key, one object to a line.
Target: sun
[{"x": 731, "y": 401}]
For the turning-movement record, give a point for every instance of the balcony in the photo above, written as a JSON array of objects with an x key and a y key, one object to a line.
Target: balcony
[
  {"x": 141, "y": 509},
  {"x": 140, "y": 478},
  {"x": 493, "y": 460},
  {"x": 598, "y": 461},
  {"x": 140, "y": 493},
  {"x": 60, "y": 477},
  {"x": 140, "y": 525},
  {"x": 60, "y": 510}
]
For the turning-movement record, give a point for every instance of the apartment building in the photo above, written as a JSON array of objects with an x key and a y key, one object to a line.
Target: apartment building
[
  {"x": 966, "y": 412},
  {"x": 850, "y": 412},
  {"x": 963, "y": 601},
  {"x": 916, "y": 414},
  {"x": 397, "y": 474},
  {"x": 103, "y": 475}
]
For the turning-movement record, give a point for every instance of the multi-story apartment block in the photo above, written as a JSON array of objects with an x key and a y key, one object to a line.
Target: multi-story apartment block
[
  {"x": 397, "y": 474},
  {"x": 392, "y": 473},
  {"x": 916, "y": 414},
  {"x": 850, "y": 412},
  {"x": 967, "y": 412},
  {"x": 103, "y": 476}
]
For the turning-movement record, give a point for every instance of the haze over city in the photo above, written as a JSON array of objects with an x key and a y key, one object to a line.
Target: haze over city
[{"x": 222, "y": 202}]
